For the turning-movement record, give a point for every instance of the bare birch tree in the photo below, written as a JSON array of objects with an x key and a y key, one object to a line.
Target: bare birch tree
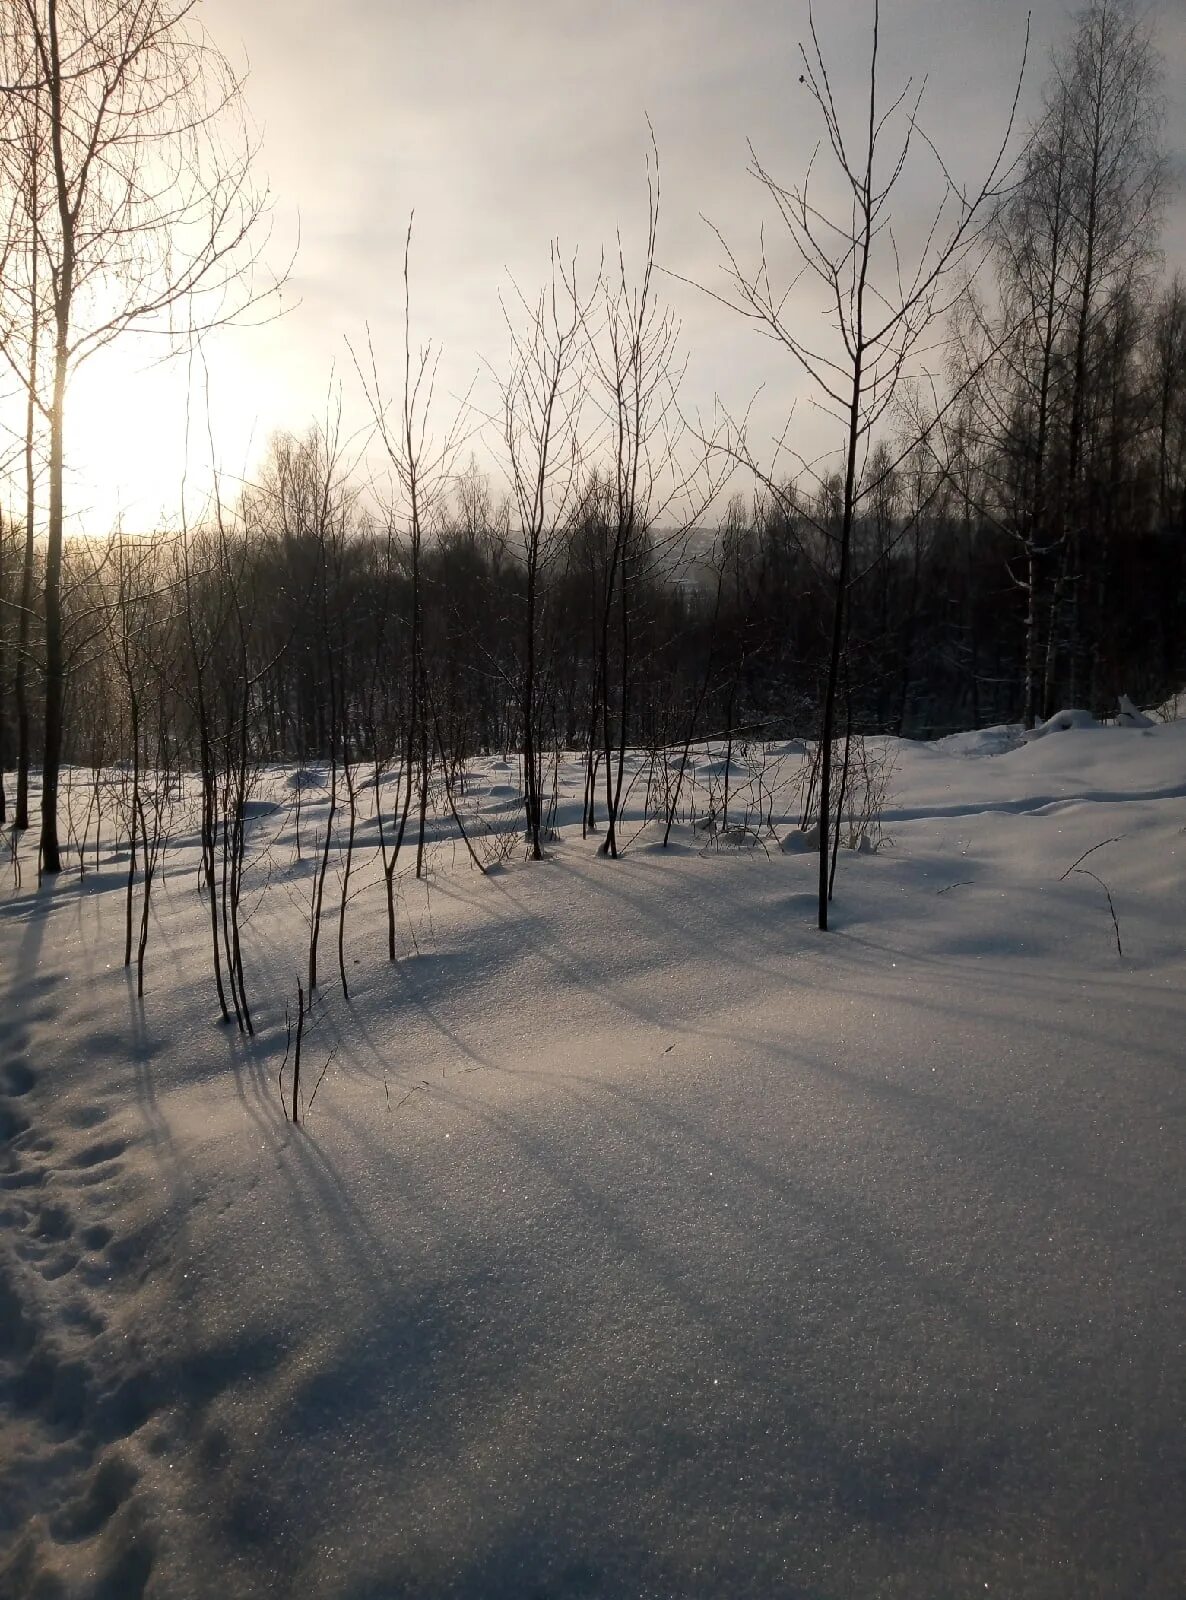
[
  {"x": 881, "y": 312},
  {"x": 422, "y": 465},
  {"x": 542, "y": 396},
  {"x": 134, "y": 162}
]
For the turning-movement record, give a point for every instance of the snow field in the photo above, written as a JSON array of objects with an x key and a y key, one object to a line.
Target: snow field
[{"x": 640, "y": 1240}]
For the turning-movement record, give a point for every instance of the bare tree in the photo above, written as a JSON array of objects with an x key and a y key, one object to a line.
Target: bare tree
[
  {"x": 1169, "y": 377},
  {"x": 22, "y": 317},
  {"x": 135, "y": 139},
  {"x": 308, "y": 493},
  {"x": 542, "y": 399},
  {"x": 883, "y": 312},
  {"x": 422, "y": 469},
  {"x": 1118, "y": 177},
  {"x": 1071, "y": 240},
  {"x": 648, "y": 468}
]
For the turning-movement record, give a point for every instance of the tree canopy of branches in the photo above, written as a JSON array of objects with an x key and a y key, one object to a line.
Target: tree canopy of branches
[
  {"x": 877, "y": 309},
  {"x": 125, "y": 177}
]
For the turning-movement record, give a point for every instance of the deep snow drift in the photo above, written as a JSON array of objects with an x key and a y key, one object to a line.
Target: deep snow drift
[{"x": 640, "y": 1240}]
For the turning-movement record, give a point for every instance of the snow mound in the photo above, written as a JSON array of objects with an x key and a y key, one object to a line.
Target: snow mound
[
  {"x": 1061, "y": 722},
  {"x": 650, "y": 837},
  {"x": 1129, "y": 717},
  {"x": 995, "y": 741},
  {"x": 738, "y": 837},
  {"x": 306, "y": 778},
  {"x": 800, "y": 840}
]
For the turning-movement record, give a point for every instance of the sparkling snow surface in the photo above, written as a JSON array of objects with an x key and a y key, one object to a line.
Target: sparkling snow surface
[{"x": 641, "y": 1240}]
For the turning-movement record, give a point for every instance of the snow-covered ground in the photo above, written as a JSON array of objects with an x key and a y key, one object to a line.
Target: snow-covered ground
[{"x": 641, "y": 1240}]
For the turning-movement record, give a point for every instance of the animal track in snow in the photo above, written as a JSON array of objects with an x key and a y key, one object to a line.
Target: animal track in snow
[
  {"x": 53, "y": 1270},
  {"x": 86, "y": 1117},
  {"x": 53, "y": 1222},
  {"x": 111, "y": 1484},
  {"x": 12, "y": 1124},
  {"x": 39, "y": 1144},
  {"x": 22, "y": 1178},
  {"x": 18, "y": 1078},
  {"x": 80, "y": 1317},
  {"x": 98, "y": 1154},
  {"x": 68, "y": 1396}
]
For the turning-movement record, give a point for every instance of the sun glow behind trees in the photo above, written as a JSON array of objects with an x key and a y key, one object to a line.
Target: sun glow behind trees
[
  {"x": 143, "y": 430},
  {"x": 128, "y": 199}
]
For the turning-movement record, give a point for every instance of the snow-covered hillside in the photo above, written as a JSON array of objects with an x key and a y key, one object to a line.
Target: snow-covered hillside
[{"x": 639, "y": 1240}]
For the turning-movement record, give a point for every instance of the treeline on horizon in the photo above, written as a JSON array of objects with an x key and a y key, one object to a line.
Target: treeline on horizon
[{"x": 321, "y": 603}]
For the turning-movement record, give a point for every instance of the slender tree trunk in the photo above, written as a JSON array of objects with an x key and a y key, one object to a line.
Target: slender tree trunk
[
  {"x": 690, "y": 732},
  {"x": 55, "y": 667},
  {"x": 135, "y": 817},
  {"x": 4, "y": 756},
  {"x": 25, "y": 614},
  {"x": 323, "y": 865},
  {"x": 838, "y": 623},
  {"x": 530, "y": 776},
  {"x": 346, "y": 869},
  {"x": 209, "y": 781}
]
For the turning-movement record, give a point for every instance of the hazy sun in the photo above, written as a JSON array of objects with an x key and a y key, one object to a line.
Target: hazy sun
[{"x": 141, "y": 434}]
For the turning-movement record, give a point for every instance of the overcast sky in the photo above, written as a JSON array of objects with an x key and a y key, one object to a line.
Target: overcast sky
[{"x": 509, "y": 123}]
